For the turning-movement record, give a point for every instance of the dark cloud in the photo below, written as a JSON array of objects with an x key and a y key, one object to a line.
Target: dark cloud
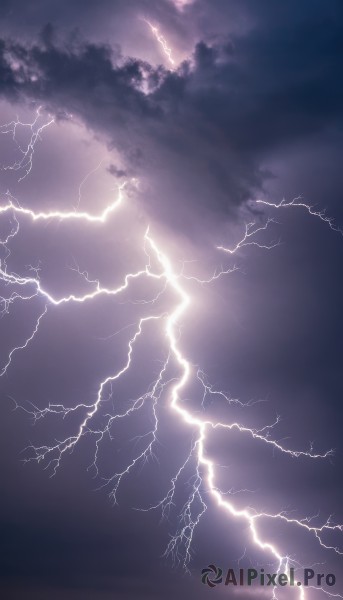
[
  {"x": 251, "y": 95},
  {"x": 117, "y": 172}
]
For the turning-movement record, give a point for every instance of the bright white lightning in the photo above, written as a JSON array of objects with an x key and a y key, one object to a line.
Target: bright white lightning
[
  {"x": 25, "y": 344},
  {"x": 251, "y": 229},
  {"x": 159, "y": 268},
  {"x": 162, "y": 41},
  {"x": 86, "y": 179},
  {"x": 298, "y": 202},
  {"x": 11, "y": 206}
]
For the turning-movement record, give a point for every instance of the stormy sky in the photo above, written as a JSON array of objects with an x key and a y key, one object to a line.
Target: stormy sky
[{"x": 251, "y": 108}]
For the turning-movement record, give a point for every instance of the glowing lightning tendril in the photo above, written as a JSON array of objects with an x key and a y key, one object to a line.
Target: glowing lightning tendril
[
  {"x": 162, "y": 41},
  {"x": 26, "y": 153},
  {"x": 298, "y": 201}
]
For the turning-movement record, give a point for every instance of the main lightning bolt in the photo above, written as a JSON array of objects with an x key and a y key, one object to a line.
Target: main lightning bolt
[
  {"x": 175, "y": 374},
  {"x": 162, "y": 41}
]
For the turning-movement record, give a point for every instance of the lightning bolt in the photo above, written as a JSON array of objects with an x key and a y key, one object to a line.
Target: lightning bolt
[
  {"x": 298, "y": 202},
  {"x": 251, "y": 229},
  {"x": 84, "y": 181},
  {"x": 26, "y": 152},
  {"x": 162, "y": 41},
  {"x": 175, "y": 375}
]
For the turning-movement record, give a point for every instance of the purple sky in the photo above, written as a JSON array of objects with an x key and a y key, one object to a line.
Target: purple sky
[{"x": 252, "y": 109}]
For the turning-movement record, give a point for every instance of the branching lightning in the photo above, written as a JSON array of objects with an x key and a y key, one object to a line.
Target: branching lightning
[
  {"x": 251, "y": 229},
  {"x": 298, "y": 202},
  {"x": 175, "y": 374},
  {"x": 26, "y": 152}
]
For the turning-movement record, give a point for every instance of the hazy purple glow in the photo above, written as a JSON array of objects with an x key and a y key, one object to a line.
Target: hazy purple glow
[{"x": 127, "y": 327}]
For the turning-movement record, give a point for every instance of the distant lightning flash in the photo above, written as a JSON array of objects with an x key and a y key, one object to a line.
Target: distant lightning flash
[
  {"x": 25, "y": 160},
  {"x": 298, "y": 202},
  {"x": 86, "y": 179},
  {"x": 175, "y": 374},
  {"x": 162, "y": 41}
]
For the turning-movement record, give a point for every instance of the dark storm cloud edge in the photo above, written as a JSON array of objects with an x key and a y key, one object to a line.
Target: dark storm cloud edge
[{"x": 219, "y": 117}]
